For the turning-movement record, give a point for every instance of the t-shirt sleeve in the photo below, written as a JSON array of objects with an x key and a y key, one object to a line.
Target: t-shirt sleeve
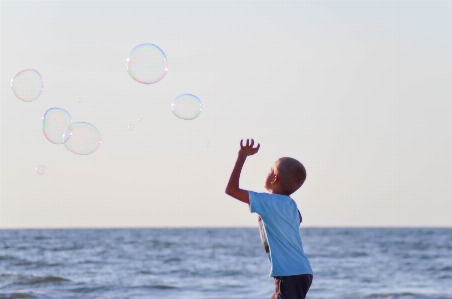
[{"x": 259, "y": 203}]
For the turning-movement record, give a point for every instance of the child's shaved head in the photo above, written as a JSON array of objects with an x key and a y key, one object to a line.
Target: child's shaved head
[{"x": 292, "y": 174}]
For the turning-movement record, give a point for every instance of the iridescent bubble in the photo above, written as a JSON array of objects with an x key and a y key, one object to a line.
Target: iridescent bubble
[
  {"x": 40, "y": 169},
  {"x": 27, "y": 85},
  {"x": 84, "y": 140},
  {"x": 186, "y": 106},
  {"x": 139, "y": 120},
  {"x": 80, "y": 100},
  {"x": 147, "y": 64},
  {"x": 131, "y": 127},
  {"x": 57, "y": 125}
]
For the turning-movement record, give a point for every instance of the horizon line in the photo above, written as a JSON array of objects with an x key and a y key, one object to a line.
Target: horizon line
[{"x": 219, "y": 227}]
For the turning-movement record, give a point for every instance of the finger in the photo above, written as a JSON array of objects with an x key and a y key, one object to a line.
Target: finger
[
  {"x": 247, "y": 143},
  {"x": 252, "y": 143},
  {"x": 258, "y": 146},
  {"x": 241, "y": 143}
]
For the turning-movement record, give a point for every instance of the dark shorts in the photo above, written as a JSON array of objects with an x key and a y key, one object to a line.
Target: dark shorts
[{"x": 292, "y": 287}]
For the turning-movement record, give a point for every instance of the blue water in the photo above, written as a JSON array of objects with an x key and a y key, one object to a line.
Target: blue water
[{"x": 348, "y": 263}]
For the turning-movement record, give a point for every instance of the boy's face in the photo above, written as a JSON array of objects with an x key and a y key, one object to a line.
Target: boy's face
[{"x": 271, "y": 178}]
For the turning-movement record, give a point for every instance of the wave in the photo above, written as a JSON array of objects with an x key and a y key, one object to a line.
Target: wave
[
  {"x": 162, "y": 287},
  {"x": 29, "y": 294},
  {"x": 404, "y": 295},
  {"x": 31, "y": 280}
]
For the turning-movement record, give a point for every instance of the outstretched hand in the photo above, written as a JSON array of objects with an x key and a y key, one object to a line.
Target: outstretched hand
[
  {"x": 248, "y": 149},
  {"x": 233, "y": 188}
]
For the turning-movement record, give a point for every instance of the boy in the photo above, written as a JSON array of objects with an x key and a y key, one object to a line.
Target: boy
[{"x": 279, "y": 221}]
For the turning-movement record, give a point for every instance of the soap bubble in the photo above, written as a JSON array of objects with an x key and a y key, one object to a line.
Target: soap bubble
[
  {"x": 147, "y": 64},
  {"x": 139, "y": 120},
  {"x": 186, "y": 106},
  {"x": 131, "y": 127},
  {"x": 40, "y": 169},
  {"x": 79, "y": 100},
  {"x": 57, "y": 125},
  {"x": 85, "y": 139},
  {"x": 27, "y": 85}
]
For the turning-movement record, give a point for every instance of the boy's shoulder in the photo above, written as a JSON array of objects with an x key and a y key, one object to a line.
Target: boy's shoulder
[
  {"x": 272, "y": 198},
  {"x": 266, "y": 194},
  {"x": 279, "y": 203}
]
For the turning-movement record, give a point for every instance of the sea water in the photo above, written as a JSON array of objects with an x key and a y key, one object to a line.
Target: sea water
[{"x": 348, "y": 263}]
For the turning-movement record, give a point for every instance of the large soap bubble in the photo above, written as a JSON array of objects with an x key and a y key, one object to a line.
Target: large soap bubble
[
  {"x": 84, "y": 140},
  {"x": 57, "y": 125},
  {"x": 147, "y": 64},
  {"x": 27, "y": 85},
  {"x": 186, "y": 106}
]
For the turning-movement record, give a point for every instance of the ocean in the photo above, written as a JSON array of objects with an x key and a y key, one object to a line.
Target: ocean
[{"x": 220, "y": 263}]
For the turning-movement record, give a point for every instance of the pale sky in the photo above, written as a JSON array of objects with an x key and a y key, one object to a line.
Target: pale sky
[{"x": 359, "y": 92}]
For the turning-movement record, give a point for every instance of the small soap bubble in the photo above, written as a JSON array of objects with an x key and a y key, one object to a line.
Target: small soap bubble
[
  {"x": 139, "y": 120},
  {"x": 57, "y": 125},
  {"x": 41, "y": 169},
  {"x": 186, "y": 106},
  {"x": 131, "y": 127},
  {"x": 27, "y": 85},
  {"x": 147, "y": 64},
  {"x": 79, "y": 100},
  {"x": 85, "y": 139}
]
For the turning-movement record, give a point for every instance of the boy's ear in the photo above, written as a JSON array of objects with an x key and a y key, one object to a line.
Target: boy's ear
[{"x": 276, "y": 179}]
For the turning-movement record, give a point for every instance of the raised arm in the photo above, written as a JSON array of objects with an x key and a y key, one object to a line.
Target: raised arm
[{"x": 233, "y": 187}]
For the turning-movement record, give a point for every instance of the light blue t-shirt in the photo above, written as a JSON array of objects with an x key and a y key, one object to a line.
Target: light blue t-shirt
[{"x": 281, "y": 223}]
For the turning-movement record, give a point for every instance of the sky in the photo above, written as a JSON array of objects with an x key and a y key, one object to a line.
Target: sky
[{"x": 358, "y": 91}]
